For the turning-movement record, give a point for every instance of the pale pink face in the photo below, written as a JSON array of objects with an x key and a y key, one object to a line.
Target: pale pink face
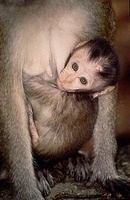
[{"x": 80, "y": 73}]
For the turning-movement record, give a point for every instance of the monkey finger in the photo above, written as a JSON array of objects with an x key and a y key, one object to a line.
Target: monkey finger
[
  {"x": 43, "y": 184},
  {"x": 59, "y": 176},
  {"x": 81, "y": 171},
  {"x": 70, "y": 168},
  {"x": 79, "y": 167},
  {"x": 80, "y": 174},
  {"x": 49, "y": 177}
]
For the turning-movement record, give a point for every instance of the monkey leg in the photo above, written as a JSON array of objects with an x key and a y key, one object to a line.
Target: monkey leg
[{"x": 103, "y": 167}]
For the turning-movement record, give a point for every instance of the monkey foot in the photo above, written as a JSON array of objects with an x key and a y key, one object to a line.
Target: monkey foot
[
  {"x": 115, "y": 187},
  {"x": 118, "y": 186},
  {"x": 49, "y": 174},
  {"x": 78, "y": 168},
  {"x": 58, "y": 171},
  {"x": 45, "y": 182}
]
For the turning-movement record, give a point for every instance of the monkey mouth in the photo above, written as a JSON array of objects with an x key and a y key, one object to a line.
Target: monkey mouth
[{"x": 60, "y": 86}]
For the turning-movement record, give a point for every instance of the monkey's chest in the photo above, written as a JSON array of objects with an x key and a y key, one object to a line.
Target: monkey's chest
[{"x": 68, "y": 126}]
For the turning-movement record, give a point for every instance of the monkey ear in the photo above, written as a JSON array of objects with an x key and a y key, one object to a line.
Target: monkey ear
[
  {"x": 99, "y": 68},
  {"x": 107, "y": 90}
]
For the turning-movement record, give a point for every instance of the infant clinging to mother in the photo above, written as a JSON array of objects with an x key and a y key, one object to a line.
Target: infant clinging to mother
[{"x": 62, "y": 113}]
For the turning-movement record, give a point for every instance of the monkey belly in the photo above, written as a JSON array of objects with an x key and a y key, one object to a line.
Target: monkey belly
[
  {"x": 60, "y": 144},
  {"x": 70, "y": 127}
]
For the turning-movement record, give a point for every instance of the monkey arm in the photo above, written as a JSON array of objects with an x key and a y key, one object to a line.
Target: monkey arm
[
  {"x": 15, "y": 145},
  {"x": 15, "y": 141},
  {"x": 105, "y": 145},
  {"x": 104, "y": 139}
]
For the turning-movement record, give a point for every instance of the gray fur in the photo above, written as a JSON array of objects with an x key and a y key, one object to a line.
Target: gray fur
[
  {"x": 29, "y": 37},
  {"x": 64, "y": 121}
]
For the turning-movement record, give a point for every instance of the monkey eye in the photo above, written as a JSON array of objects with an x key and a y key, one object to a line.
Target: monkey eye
[
  {"x": 83, "y": 80},
  {"x": 75, "y": 67}
]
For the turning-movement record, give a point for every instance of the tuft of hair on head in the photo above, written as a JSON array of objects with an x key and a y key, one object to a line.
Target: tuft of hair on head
[{"x": 101, "y": 51}]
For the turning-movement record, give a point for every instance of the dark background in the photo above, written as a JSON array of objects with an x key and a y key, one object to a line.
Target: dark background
[{"x": 121, "y": 8}]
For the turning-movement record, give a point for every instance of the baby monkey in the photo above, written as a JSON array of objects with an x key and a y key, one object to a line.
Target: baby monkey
[
  {"x": 62, "y": 113},
  {"x": 90, "y": 70},
  {"x": 92, "y": 67}
]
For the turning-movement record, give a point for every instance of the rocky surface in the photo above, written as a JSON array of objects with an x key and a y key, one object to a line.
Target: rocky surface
[{"x": 70, "y": 190}]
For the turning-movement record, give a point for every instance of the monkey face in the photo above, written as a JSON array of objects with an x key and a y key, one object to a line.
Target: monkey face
[{"x": 80, "y": 74}]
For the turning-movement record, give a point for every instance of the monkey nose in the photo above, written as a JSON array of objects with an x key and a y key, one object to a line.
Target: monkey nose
[{"x": 69, "y": 79}]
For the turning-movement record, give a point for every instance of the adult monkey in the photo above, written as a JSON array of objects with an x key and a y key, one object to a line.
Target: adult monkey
[{"x": 32, "y": 39}]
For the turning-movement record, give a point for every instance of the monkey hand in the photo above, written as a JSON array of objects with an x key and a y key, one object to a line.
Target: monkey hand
[
  {"x": 49, "y": 175},
  {"x": 44, "y": 181},
  {"x": 58, "y": 170},
  {"x": 118, "y": 186},
  {"x": 78, "y": 167},
  {"x": 110, "y": 180}
]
